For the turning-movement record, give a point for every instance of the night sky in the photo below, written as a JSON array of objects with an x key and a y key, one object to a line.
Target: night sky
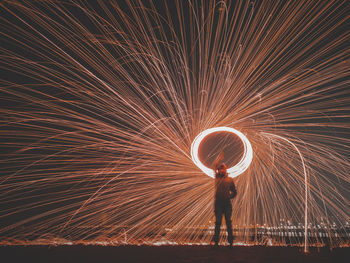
[{"x": 72, "y": 101}]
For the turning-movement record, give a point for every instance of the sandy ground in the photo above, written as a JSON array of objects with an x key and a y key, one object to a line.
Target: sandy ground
[{"x": 195, "y": 254}]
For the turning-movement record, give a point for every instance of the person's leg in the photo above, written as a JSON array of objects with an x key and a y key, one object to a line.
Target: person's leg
[
  {"x": 228, "y": 213},
  {"x": 218, "y": 219}
]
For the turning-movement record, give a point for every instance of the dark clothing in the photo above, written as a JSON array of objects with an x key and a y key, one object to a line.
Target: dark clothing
[
  {"x": 225, "y": 190},
  {"x": 223, "y": 208}
]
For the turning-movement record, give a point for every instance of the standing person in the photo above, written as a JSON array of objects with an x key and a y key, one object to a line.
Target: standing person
[{"x": 225, "y": 190}]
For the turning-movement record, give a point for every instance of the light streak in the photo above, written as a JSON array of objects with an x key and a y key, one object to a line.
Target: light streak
[
  {"x": 101, "y": 102},
  {"x": 306, "y": 247},
  {"x": 233, "y": 171}
]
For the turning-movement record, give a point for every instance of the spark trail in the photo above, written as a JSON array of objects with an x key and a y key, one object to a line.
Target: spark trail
[{"x": 100, "y": 104}]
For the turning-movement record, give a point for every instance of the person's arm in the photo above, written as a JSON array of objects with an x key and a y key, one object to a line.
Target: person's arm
[
  {"x": 218, "y": 160},
  {"x": 233, "y": 191}
]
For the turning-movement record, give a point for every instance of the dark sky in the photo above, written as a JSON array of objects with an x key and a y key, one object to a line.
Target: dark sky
[{"x": 13, "y": 137}]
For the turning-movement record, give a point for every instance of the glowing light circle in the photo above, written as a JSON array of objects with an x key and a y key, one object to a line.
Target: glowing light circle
[{"x": 234, "y": 171}]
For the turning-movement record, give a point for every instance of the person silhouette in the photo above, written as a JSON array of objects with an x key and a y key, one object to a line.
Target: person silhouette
[{"x": 225, "y": 190}]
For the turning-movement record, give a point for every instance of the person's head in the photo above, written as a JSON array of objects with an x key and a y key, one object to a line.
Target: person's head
[{"x": 222, "y": 170}]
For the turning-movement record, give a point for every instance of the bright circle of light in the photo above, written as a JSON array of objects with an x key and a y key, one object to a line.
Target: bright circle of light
[{"x": 234, "y": 171}]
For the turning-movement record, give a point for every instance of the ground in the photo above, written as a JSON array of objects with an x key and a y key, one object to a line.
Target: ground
[{"x": 181, "y": 254}]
